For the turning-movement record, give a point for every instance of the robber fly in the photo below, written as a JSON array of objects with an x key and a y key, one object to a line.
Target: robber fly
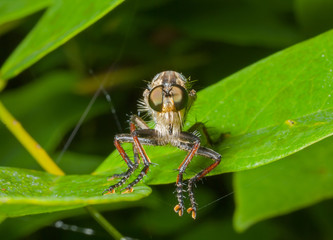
[{"x": 167, "y": 100}]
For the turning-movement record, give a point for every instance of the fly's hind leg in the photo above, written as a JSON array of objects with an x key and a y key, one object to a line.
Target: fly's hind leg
[
  {"x": 216, "y": 157},
  {"x": 179, "y": 208},
  {"x": 191, "y": 143}
]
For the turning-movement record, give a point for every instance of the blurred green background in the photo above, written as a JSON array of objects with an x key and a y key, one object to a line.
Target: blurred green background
[{"x": 205, "y": 40}]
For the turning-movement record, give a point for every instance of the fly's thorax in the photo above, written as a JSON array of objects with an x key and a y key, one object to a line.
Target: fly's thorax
[{"x": 168, "y": 125}]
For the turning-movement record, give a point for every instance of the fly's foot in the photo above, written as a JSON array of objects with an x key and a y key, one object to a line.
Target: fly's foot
[
  {"x": 109, "y": 190},
  {"x": 127, "y": 190},
  {"x": 192, "y": 211},
  {"x": 179, "y": 208}
]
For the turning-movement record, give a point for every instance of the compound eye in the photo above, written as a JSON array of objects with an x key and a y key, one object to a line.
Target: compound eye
[
  {"x": 155, "y": 99},
  {"x": 180, "y": 97}
]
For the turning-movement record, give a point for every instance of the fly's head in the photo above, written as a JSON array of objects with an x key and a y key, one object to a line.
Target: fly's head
[{"x": 168, "y": 99}]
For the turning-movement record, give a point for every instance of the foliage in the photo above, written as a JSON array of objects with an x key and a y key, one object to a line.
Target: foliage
[{"x": 276, "y": 102}]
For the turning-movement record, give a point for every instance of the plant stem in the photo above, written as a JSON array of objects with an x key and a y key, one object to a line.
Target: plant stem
[
  {"x": 104, "y": 223},
  {"x": 28, "y": 142}
]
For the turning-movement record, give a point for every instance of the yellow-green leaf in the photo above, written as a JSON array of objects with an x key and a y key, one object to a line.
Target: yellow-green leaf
[
  {"x": 12, "y": 10},
  {"x": 63, "y": 20},
  {"x": 25, "y": 192}
]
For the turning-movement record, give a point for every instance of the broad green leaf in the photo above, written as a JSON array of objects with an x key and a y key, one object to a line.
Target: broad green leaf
[
  {"x": 13, "y": 10},
  {"x": 25, "y": 192},
  {"x": 47, "y": 109},
  {"x": 295, "y": 182},
  {"x": 269, "y": 110},
  {"x": 63, "y": 20}
]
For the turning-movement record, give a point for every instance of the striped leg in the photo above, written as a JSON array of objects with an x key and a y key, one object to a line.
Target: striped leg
[
  {"x": 191, "y": 143},
  {"x": 120, "y": 138},
  {"x": 217, "y": 159},
  {"x": 179, "y": 208},
  {"x": 143, "y": 155},
  {"x": 131, "y": 167}
]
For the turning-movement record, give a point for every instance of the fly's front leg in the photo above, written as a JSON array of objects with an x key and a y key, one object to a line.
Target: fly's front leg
[
  {"x": 145, "y": 137},
  {"x": 135, "y": 120},
  {"x": 131, "y": 167},
  {"x": 138, "y": 146}
]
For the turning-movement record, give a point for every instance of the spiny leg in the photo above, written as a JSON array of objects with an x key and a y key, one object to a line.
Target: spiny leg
[
  {"x": 131, "y": 167},
  {"x": 201, "y": 128},
  {"x": 217, "y": 159},
  {"x": 130, "y": 170},
  {"x": 179, "y": 208},
  {"x": 143, "y": 154},
  {"x": 189, "y": 142}
]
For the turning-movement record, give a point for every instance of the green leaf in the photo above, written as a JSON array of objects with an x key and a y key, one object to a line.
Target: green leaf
[
  {"x": 25, "y": 192},
  {"x": 63, "y": 20},
  {"x": 270, "y": 110},
  {"x": 17, "y": 228},
  {"x": 13, "y": 10},
  {"x": 295, "y": 182}
]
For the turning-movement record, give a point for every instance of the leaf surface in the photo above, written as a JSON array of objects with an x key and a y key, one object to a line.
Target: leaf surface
[
  {"x": 62, "y": 21},
  {"x": 294, "y": 182},
  {"x": 25, "y": 192},
  {"x": 12, "y": 10}
]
